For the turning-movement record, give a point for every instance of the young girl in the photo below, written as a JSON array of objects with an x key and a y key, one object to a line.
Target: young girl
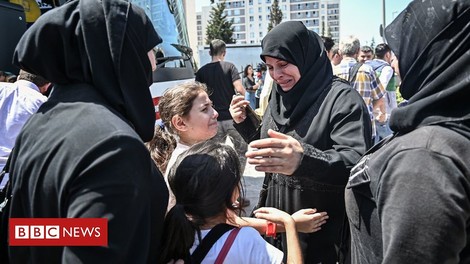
[
  {"x": 187, "y": 117},
  {"x": 206, "y": 182}
]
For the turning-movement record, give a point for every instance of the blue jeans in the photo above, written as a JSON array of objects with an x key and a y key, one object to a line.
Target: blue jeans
[
  {"x": 382, "y": 131},
  {"x": 250, "y": 96}
]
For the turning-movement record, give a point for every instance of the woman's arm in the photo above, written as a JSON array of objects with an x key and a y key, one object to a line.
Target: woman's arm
[
  {"x": 306, "y": 221},
  {"x": 294, "y": 254},
  {"x": 348, "y": 127}
]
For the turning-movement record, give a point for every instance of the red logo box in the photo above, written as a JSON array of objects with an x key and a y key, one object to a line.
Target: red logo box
[{"x": 58, "y": 232}]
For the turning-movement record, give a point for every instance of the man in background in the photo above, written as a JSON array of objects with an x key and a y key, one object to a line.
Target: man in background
[
  {"x": 365, "y": 54},
  {"x": 18, "y": 101},
  {"x": 385, "y": 73},
  {"x": 362, "y": 78},
  {"x": 223, "y": 81}
]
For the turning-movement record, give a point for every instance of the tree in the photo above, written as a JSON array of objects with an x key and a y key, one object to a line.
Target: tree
[
  {"x": 325, "y": 30},
  {"x": 218, "y": 26},
  {"x": 372, "y": 43},
  {"x": 275, "y": 16}
]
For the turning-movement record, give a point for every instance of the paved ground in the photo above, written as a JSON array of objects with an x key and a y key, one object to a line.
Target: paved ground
[{"x": 253, "y": 181}]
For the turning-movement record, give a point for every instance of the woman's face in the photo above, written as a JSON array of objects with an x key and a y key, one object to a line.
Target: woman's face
[
  {"x": 201, "y": 122},
  {"x": 394, "y": 64},
  {"x": 283, "y": 73},
  {"x": 250, "y": 71}
]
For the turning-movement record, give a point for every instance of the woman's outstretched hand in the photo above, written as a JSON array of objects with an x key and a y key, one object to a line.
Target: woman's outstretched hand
[
  {"x": 279, "y": 153},
  {"x": 308, "y": 220}
]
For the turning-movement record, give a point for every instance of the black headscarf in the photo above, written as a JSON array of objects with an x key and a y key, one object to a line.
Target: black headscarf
[
  {"x": 101, "y": 43},
  {"x": 291, "y": 41},
  {"x": 431, "y": 39}
]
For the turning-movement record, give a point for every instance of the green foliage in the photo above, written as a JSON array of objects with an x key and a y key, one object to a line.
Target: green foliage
[
  {"x": 275, "y": 15},
  {"x": 372, "y": 43},
  {"x": 399, "y": 96},
  {"x": 218, "y": 26}
]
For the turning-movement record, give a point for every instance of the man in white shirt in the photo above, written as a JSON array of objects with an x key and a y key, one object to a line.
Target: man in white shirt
[
  {"x": 386, "y": 75},
  {"x": 18, "y": 101}
]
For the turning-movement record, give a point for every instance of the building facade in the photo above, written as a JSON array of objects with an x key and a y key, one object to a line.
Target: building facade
[{"x": 251, "y": 17}]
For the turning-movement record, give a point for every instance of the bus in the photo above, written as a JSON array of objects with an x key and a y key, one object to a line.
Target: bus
[{"x": 175, "y": 63}]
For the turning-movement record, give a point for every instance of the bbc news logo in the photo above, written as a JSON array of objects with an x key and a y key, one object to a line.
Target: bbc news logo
[{"x": 58, "y": 232}]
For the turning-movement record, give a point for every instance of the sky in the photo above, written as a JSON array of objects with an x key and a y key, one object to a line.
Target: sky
[{"x": 361, "y": 18}]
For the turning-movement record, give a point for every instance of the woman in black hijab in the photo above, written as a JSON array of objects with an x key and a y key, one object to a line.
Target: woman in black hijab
[
  {"x": 82, "y": 155},
  {"x": 315, "y": 129},
  {"x": 408, "y": 200}
]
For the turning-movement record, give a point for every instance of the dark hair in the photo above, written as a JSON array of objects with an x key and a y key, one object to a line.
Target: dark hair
[
  {"x": 203, "y": 180},
  {"x": 381, "y": 50},
  {"x": 367, "y": 49},
  {"x": 216, "y": 47},
  {"x": 328, "y": 43},
  {"x": 11, "y": 78},
  {"x": 36, "y": 79},
  {"x": 245, "y": 71},
  {"x": 177, "y": 100}
]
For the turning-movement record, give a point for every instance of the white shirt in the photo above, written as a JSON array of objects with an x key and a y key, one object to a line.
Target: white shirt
[
  {"x": 248, "y": 247},
  {"x": 386, "y": 74},
  {"x": 180, "y": 148},
  {"x": 18, "y": 101}
]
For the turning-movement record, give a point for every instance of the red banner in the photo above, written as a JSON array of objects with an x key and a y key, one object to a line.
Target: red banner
[{"x": 58, "y": 232}]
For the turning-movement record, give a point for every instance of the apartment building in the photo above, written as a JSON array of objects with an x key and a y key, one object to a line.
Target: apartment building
[{"x": 251, "y": 17}]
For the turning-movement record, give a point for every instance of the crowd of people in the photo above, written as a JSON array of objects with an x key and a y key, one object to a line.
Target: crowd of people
[{"x": 351, "y": 176}]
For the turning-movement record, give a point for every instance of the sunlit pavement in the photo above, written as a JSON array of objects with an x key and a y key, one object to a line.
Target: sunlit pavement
[{"x": 253, "y": 180}]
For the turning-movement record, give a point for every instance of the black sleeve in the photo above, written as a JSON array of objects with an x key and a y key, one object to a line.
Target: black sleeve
[
  {"x": 349, "y": 128},
  {"x": 248, "y": 130},
  {"x": 117, "y": 183},
  {"x": 247, "y": 84},
  {"x": 235, "y": 73},
  {"x": 423, "y": 206}
]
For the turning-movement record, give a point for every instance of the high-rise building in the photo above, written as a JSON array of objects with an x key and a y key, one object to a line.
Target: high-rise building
[{"x": 251, "y": 17}]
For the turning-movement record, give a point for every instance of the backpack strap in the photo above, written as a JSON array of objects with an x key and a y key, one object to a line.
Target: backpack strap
[
  {"x": 227, "y": 245},
  {"x": 353, "y": 72},
  {"x": 209, "y": 240}
]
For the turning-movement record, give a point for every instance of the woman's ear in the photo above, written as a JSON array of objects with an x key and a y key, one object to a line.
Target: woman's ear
[{"x": 179, "y": 123}]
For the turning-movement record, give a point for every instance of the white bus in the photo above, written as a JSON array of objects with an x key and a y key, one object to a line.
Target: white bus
[{"x": 174, "y": 57}]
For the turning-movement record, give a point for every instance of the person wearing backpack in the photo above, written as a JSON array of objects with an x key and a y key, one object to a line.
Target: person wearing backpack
[
  {"x": 362, "y": 78},
  {"x": 206, "y": 181},
  {"x": 385, "y": 73}
]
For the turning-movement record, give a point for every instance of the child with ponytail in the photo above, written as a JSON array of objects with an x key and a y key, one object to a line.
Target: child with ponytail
[{"x": 206, "y": 182}]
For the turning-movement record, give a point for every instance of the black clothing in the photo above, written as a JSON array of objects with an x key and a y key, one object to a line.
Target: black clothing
[
  {"x": 76, "y": 43},
  {"x": 301, "y": 49},
  {"x": 82, "y": 154},
  {"x": 77, "y": 158},
  {"x": 248, "y": 84},
  {"x": 219, "y": 77},
  {"x": 334, "y": 130},
  {"x": 434, "y": 62},
  {"x": 408, "y": 200}
]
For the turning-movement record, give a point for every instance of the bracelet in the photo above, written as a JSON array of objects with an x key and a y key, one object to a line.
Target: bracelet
[{"x": 270, "y": 229}]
